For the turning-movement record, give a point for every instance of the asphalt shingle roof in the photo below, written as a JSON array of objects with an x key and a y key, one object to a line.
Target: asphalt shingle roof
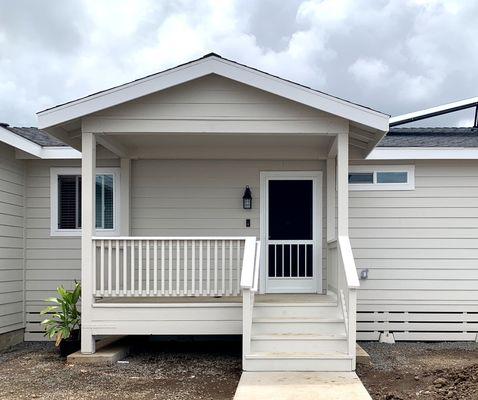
[
  {"x": 430, "y": 137},
  {"x": 35, "y": 135}
]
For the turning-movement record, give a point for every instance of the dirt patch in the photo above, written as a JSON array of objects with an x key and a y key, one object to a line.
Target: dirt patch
[
  {"x": 421, "y": 371},
  {"x": 173, "y": 370}
]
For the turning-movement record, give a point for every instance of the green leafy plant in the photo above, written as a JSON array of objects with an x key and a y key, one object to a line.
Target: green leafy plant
[{"x": 64, "y": 315}]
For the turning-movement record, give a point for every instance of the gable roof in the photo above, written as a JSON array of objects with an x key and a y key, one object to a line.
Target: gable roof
[
  {"x": 431, "y": 137},
  {"x": 213, "y": 64}
]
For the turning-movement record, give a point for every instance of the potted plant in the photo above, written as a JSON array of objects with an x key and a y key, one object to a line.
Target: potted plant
[{"x": 63, "y": 323}]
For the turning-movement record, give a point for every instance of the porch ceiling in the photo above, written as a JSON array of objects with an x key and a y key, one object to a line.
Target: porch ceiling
[{"x": 225, "y": 146}]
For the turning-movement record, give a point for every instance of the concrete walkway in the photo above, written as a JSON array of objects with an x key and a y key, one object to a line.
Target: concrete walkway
[{"x": 300, "y": 386}]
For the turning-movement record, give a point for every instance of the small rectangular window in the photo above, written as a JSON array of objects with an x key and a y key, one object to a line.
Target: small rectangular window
[
  {"x": 392, "y": 177},
  {"x": 66, "y": 201},
  {"x": 382, "y": 177},
  {"x": 360, "y": 177}
]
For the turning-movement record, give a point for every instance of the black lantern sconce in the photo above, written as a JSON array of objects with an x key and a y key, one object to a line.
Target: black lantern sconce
[{"x": 247, "y": 199}]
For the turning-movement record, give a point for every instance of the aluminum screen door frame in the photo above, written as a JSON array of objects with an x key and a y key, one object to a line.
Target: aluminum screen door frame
[{"x": 282, "y": 284}]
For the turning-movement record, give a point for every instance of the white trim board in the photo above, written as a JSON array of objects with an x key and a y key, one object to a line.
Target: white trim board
[
  {"x": 212, "y": 64},
  {"x": 54, "y": 172},
  {"x": 43, "y": 152},
  {"x": 423, "y": 153}
]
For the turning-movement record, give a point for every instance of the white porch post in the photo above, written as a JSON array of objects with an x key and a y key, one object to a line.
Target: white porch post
[
  {"x": 125, "y": 196},
  {"x": 88, "y": 168},
  {"x": 331, "y": 211},
  {"x": 343, "y": 184}
]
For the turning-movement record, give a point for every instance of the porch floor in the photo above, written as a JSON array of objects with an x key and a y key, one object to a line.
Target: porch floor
[{"x": 260, "y": 298}]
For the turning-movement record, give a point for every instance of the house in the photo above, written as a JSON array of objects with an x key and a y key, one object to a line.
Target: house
[{"x": 213, "y": 198}]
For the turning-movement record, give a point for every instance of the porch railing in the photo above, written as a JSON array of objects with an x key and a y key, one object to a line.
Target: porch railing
[
  {"x": 343, "y": 279},
  {"x": 168, "y": 266}
]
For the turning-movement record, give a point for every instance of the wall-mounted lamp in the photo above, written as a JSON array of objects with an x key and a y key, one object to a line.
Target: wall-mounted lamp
[{"x": 247, "y": 199}]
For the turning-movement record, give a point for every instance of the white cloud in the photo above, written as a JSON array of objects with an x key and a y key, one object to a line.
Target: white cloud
[
  {"x": 393, "y": 55},
  {"x": 372, "y": 71}
]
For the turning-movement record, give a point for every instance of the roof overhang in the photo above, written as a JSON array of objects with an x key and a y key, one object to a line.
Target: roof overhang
[
  {"x": 34, "y": 149},
  {"x": 424, "y": 153},
  {"x": 214, "y": 64}
]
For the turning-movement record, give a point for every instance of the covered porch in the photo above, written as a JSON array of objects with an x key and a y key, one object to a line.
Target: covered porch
[{"x": 216, "y": 284}]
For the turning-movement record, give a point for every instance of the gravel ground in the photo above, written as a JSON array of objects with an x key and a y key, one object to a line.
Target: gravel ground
[
  {"x": 180, "y": 370},
  {"x": 402, "y": 371}
]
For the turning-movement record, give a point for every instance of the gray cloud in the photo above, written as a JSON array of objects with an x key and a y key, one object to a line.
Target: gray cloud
[{"x": 394, "y": 55}]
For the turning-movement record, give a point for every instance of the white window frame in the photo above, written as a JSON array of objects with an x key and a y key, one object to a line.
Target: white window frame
[
  {"x": 54, "y": 230},
  {"x": 374, "y": 169}
]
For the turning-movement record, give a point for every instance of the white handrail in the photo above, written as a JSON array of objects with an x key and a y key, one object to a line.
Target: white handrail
[
  {"x": 248, "y": 263},
  {"x": 345, "y": 251},
  {"x": 255, "y": 285}
]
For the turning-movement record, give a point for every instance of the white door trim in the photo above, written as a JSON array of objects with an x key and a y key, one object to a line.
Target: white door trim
[{"x": 317, "y": 216}]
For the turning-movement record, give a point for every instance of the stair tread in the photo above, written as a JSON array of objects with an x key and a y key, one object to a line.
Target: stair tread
[
  {"x": 296, "y": 319},
  {"x": 286, "y": 304},
  {"x": 297, "y": 355},
  {"x": 298, "y": 336}
]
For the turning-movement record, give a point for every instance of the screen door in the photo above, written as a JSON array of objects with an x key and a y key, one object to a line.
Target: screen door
[{"x": 291, "y": 242}]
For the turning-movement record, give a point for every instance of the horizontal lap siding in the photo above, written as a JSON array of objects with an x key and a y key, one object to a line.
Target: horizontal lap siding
[
  {"x": 202, "y": 198},
  {"x": 50, "y": 261},
  {"x": 12, "y": 190},
  {"x": 421, "y": 249}
]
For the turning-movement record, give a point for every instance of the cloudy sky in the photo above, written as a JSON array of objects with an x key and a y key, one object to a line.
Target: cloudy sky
[{"x": 393, "y": 55}]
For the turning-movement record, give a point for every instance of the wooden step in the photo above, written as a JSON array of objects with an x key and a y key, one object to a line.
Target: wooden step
[
  {"x": 297, "y": 361},
  {"x": 299, "y": 343}
]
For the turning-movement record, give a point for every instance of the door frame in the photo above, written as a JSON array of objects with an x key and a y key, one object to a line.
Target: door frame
[{"x": 317, "y": 212}]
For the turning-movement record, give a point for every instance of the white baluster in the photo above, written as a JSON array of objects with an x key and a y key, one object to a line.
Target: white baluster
[
  {"x": 132, "y": 268},
  {"x": 215, "y": 267},
  {"x": 178, "y": 272},
  {"x": 208, "y": 268},
  {"x": 200, "y": 268},
  {"x": 102, "y": 268},
  {"x": 155, "y": 266},
  {"x": 110, "y": 259},
  {"x": 117, "y": 268},
  {"x": 170, "y": 282},
  {"x": 162, "y": 267},
  {"x": 140, "y": 267},
  {"x": 125, "y": 268},
  {"x": 148, "y": 266},
  {"x": 193, "y": 265},
  {"x": 185, "y": 290}
]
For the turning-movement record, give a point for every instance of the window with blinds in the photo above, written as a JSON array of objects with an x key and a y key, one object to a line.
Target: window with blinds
[{"x": 69, "y": 201}]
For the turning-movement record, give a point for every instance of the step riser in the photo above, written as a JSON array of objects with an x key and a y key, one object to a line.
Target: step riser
[
  {"x": 301, "y": 346},
  {"x": 325, "y": 328},
  {"x": 298, "y": 312},
  {"x": 297, "y": 365}
]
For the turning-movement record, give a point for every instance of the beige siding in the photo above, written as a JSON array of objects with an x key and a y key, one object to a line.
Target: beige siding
[
  {"x": 51, "y": 261},
  {"x": 12, "y": 188},
  {"x": 203, "y": 198},
  {"x": 230, "y": 103},
  {"x": 421, "y": 249}
]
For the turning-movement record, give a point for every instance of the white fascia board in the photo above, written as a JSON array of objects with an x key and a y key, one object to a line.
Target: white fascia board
[
  {"x": 203, "y": 67},
  {"x": 423, "y": 153},
  {"x": 20, "y": 142},
  {"x": 434, "y": 110},
  {"x": 60, "y": 152},
  {"x": 53, "y": 152}
]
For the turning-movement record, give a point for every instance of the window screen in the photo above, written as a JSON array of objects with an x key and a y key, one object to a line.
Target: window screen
[
  {"x": 360, "y": 177},
  {"x": 392, "y": 177},
  {"x": 69, "y": 202}
]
